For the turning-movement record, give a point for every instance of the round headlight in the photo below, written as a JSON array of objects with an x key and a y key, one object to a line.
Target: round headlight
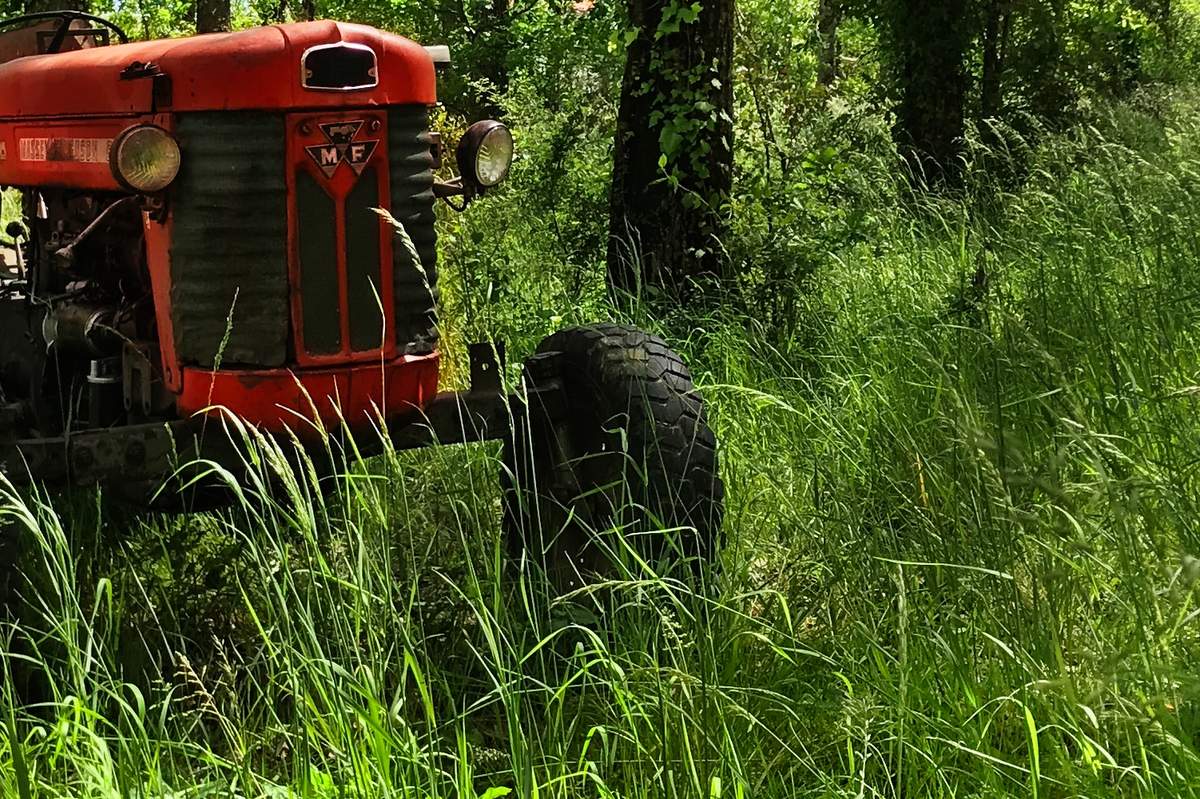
[
  {"x": 145, "y": 159},
  {"x": 485, "y": 153}
]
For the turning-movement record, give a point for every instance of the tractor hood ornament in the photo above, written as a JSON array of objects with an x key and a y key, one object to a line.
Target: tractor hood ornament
[{"x": 341, "y": 146}]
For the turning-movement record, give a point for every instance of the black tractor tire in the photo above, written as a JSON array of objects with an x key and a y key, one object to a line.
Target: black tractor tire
[{"x": 621, "y": 462}]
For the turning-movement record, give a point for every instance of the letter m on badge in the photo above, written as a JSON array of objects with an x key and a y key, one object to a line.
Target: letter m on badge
[{"x": 327, "y": 157}]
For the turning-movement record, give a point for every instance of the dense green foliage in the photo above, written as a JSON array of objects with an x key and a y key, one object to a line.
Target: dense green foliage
[{"x": 959, "y": 433}]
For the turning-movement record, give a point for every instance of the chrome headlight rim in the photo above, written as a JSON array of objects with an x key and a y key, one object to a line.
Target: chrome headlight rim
[
  {"x": 168, "y": 155},
  {"x": 485, "y": 137}
]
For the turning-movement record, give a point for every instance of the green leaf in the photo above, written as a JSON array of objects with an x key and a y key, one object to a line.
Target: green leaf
[
  {"x": 20, "y": 768},
  {"x": 669, "y": 140},
  {"x": 1035, "y": 771},
  {"x": 495, "y": 792}
]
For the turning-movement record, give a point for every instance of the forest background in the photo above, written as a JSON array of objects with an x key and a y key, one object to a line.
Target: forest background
[{"x": 944, "y": 306}]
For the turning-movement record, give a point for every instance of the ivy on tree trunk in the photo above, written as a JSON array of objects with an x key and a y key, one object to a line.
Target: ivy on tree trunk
[
  {"x": 673, "y": 159},
  {"x": 829, "y": 17}
]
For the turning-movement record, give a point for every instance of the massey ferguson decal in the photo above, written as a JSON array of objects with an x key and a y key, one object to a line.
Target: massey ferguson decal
[
  {"x": 83, "y": 151},
  {"x": 342, "y": 146}
]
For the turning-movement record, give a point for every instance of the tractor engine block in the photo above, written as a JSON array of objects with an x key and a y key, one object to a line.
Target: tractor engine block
[{"x": 83, "y": 294}]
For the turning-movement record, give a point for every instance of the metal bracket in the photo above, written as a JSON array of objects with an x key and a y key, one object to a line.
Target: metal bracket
[
  {"x": 140, "y": 69},
  {"x": 487, "y": 367},
  {"x": 162, "y": 91},
  {"x": 137, "y": 379}
]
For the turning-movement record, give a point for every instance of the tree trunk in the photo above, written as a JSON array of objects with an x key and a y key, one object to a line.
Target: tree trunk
[
  {"x": 829, "y": 17},
  {"x": 1045, "y": 59},
  {"x": 930, "y": 41},
  {"x": 213, "y": 16},
  {"x": 495, "y": 36},
  {"x": 991, "y": 89},
  {"x": 308, "y": 10},
  {"x": 673, "y": 159}
]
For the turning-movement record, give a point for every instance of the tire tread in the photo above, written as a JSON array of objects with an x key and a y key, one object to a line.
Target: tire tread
[{"x": 624, "y": 375}]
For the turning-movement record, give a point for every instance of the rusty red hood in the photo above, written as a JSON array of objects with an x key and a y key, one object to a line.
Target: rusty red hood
[{"x": 252, "y": 69}]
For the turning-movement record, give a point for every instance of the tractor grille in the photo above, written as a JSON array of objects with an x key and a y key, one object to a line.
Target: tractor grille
[
  {"x": 229, "y": 271},
  {"x": 229, "y": 253},
  {"x": 411, "y": 161}
]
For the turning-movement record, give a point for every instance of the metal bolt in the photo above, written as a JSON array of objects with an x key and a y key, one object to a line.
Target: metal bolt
[{"x": 375, "y": 125}]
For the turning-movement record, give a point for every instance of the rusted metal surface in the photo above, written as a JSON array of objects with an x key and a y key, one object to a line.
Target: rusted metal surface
[
  {"x": 131, "y": 453},
  {"x": 153, "y": 452},
  {"x": 304, "y": 400},
  {"x": 32, "y": 37},
  {"x": 252, "y": 69}
]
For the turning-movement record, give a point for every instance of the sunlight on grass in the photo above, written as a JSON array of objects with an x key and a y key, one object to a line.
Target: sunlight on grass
[{"x": 962, "y": 561}]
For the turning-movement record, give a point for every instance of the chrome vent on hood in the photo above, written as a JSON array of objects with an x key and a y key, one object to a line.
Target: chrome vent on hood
[{"x": 341, "y": 67}]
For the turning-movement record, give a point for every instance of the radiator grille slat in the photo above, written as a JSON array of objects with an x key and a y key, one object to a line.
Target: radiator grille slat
[
  {"x": 319, "y": 284},
  {"x": 410, "y": 156},
  {"x": 229, "y": 274},
  {"x": 363, "y": 269}
]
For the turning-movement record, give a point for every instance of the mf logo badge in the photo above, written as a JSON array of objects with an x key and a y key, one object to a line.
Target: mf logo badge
[{"x": 342, "y": 146}]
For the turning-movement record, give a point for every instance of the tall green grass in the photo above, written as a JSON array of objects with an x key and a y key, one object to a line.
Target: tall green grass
[{"x": 962, "y": 555}]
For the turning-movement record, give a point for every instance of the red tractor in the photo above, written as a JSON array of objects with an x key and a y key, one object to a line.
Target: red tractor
[{"x": 245, "y": 222}]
